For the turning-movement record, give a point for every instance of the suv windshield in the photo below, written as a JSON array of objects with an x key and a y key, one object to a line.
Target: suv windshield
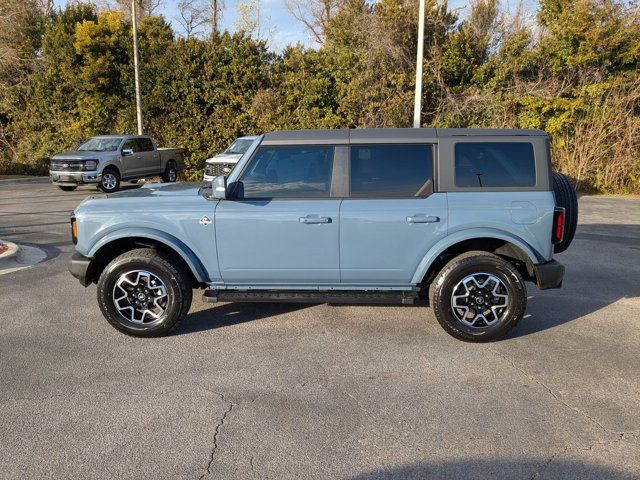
[
  {"x": 100, "y": 144},
  {"x": 240, "y": 146}
]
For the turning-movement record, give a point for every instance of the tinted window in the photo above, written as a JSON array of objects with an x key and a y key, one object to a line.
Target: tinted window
[
  {"x": 145, "y": 144},
  {"x": 495, "y": 165},
  {"x": 240, "y": 146},
  {"x": 280, "y": 172},
  {"x": 391, "y": 170}
]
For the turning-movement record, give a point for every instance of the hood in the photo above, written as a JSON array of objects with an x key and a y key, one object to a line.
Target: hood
[
  {"x": 225, "y": 157},
  {"x": 77, "y": 155},
  {"x": 161, "y": 190}
]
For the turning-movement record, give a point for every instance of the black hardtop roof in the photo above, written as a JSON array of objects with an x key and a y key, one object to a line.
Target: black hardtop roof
[{"x": 387, "y": 135}]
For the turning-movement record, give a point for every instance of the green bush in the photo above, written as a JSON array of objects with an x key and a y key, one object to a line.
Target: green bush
[{"x": 70, "y": 76}]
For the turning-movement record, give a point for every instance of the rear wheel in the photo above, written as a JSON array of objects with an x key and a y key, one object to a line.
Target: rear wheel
[
  {"x": 110, "y": 181},
  {"x": 170, "y": 173},
  {"x": 67, "y": 188},
  {"x": 566, "y": 198},
  {"x": 478, "y": 297},
  {"x": 144, "y": 293}
]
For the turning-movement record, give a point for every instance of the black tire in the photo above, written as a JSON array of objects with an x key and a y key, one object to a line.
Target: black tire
[
  {"x": 478, "y": 263},
  {"x": 168, "y": 269},
  {"x": 566, "y": 197},
  {"x": 110, "y": 180},
  {"x": 170, "y": 174},
  {"x": 67, "y": 188}
]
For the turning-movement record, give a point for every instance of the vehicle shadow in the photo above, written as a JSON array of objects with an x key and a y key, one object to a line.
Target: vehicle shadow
[
  {"x": 228, "y": 314},
  {"x": 601, "y": 269},
  {"x": 498, "y": 469}
]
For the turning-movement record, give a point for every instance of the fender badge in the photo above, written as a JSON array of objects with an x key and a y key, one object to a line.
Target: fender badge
[{"x": 205, "y": 220}]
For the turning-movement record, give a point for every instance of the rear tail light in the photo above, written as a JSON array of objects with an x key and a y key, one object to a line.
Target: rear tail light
[{"x": 558, "y": 225}]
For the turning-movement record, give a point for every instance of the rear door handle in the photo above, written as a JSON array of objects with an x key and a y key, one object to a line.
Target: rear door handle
[
  {"x": 313, "y": 219},
  {"x": 421, "y": 218}
]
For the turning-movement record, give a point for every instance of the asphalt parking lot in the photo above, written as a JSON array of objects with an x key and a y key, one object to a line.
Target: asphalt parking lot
[{"x": 294, "y": 391}]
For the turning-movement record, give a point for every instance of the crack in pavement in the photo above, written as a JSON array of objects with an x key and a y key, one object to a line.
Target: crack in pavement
[
  {"x": 556, "y": 396},
  {"x": 216, "y": 430},
  {"x": 542, "y": 469},
  {"x": 619, "y": 435}
]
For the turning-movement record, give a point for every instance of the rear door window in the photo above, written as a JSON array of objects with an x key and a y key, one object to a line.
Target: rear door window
[
  {"x": 388, "y": 171},
  {"x": 145, "y": 144},
  {"x": 289, "y": 172},
  {"x": 494, "y": 164}
]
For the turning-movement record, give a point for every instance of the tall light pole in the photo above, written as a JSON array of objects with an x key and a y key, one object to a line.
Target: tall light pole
[
  {"x": 135, "y": 66},
  {"x": 417, "y": 102}
]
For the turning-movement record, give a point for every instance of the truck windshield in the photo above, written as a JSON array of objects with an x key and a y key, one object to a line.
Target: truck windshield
[
  {"x": 240, "y": 146},
  {"x": 100, "y": 144}
]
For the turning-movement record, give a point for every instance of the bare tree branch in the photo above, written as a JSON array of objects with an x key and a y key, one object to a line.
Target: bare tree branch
[
  {"x": 192, "y": 15},
  {"x": 314, "y": 14}
]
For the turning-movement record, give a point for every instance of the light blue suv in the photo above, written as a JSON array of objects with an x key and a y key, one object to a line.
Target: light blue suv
[{"x": 458, "y": 217}]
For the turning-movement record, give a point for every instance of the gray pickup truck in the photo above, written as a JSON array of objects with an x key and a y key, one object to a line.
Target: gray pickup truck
[
  {"x": 459, "y": 217},
  {"x": 107, "y": 160}
]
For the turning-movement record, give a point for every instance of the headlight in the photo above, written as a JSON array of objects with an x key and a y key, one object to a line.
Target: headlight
[{"x": 90, "y": 164}]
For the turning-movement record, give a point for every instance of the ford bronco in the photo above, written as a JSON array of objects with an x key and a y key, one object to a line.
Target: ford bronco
[{"x": 458, "y": 217}]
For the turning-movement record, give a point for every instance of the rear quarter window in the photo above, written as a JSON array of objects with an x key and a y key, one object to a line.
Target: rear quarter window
[{"x": 494, "y": 164}]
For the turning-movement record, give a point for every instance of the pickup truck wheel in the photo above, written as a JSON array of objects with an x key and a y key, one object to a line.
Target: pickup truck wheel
[
  {"x": 170, "y": 173},
  {"x": 144, "y": 293},
  {"x": 566, "y": 197},
  {"x": 110, "y": 181},
  {"x": 67, "y": 188},
  {"x": 478, "y": 297}
]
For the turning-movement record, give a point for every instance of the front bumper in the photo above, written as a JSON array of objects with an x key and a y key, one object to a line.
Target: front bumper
[
  {"x": 75, "y": 178},
  {"x": 549, "y": 275},
  {"x": 79, "y": 267}
]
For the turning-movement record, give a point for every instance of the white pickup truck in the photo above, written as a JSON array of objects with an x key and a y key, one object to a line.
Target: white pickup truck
[
  {"x": 107, "y": 160},
  {"x": 223, "y": 163}
]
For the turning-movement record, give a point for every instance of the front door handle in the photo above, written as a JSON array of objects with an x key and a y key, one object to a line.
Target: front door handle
[
  {"x": 314, "y": 219},
  {"x": 421, "y": 218}
]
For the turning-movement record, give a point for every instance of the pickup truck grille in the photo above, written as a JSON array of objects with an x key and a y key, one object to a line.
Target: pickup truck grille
[
  {"x": 215, "y": 169},
  {"x": 66, "y": 166}
]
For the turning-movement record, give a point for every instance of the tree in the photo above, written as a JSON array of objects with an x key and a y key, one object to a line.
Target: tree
[
  {"x": 216, "y": 9},
  {"x": 21, "y": 23},
  {"x": 248, "y": 17},
  {"x": 192, "y": 16},
  {"x": 315, "y": 15},
  {"x": 145, "y": 8}
]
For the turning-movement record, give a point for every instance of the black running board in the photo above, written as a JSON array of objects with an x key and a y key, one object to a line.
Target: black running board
[{"x": 311, "y": 296}]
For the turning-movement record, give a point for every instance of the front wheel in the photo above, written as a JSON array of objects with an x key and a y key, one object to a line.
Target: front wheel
[
  {"x": 110, "y": 181},
  {"x": 144, "y": 293},
  {"x": 170, "y": 173},
  {"x": 478, "y": 297}
]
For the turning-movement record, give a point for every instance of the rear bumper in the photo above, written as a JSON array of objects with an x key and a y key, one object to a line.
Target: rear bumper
[
  {"x": 75, "y": 178},
  {"x": 549, "y": 275},
  {"x": 79, "y": 268}
]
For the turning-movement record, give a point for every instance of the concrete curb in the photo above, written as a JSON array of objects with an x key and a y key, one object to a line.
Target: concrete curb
[
  {"x": 11, "y": 252},
  {"x": 25, "y": 257}
]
